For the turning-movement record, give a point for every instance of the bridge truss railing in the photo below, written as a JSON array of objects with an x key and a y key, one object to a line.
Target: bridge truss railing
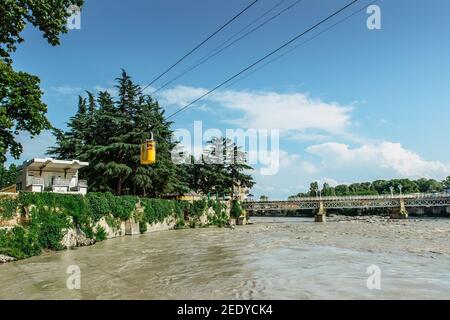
[
  {"x": 351, "y": 202},
  {"x": 368, "y": 197}
]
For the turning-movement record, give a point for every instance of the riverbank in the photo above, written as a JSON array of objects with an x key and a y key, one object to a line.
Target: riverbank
[
  {"x": 32, "y": 222},
  {"x": 274, "y": 258}
]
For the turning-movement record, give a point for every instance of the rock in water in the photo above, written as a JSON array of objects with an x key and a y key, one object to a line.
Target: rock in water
[
  {"x": 76, "y": 238},
  {"x": 82, "y": 240},
  {"x": 4, "y": 259}
]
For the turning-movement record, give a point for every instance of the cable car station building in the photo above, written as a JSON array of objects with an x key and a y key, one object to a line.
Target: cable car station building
[{"x": 61, "y": 176}]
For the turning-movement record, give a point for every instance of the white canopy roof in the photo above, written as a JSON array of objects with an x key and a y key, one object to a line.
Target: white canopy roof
[{"x": 49, "y": 164}]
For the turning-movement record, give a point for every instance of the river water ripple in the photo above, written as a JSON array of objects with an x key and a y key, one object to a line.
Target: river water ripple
[{"x": 272, "y": 259}]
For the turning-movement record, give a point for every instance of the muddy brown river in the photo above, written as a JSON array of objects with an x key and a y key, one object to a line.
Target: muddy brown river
[{"x": 274, "y": 258}]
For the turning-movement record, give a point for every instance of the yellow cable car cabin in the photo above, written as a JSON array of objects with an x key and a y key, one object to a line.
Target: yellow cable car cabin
[{"x": 148, "y": 152}]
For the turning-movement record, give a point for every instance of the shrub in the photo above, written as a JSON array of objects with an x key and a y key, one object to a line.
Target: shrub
[
  {"x": 49, "y": 225},
  {"x": 75, "y": 204},
  {"x": 197, "y": 208},
  {"x": 85, "y": 211},
  {"x": 101, "y": 235},
  {"x": 236, "y": 209},
  {"x": 180, "y": 224},
  {"x": 121, "y": 207},
  {"x": 67, "y": 204},
  {"x": 88, "y": 231},
  {"x": 220, "y": 217},
  {"x": 19, "y": 243},
  {"x": 99, "y": 206},
  {"x": 142, "y": 227},
  {"x": 180, "y": 207},
  {"x": 113, "y": 222},
  {"x": 51, "y": 213},
  {"x": 8, "y": 208},
  {"x": 156, "y": 210}
]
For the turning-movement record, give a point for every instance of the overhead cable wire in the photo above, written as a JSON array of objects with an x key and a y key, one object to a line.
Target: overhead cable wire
[
  {"x": 220, "y": 49},
  {"x": 298, "y": 45},
  {"x": 200, "y": 44},
  {"x": 263, "y": 58}
]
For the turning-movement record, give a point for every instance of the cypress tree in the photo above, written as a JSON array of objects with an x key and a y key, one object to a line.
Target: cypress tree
[{"x": 108, "y": 133}]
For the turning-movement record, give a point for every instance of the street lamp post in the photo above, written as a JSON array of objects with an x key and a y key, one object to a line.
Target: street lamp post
[
  {"x": 318, "y": 193},
  {"x": 392, "y": 190},
  {"x": 400, "y": 187}
]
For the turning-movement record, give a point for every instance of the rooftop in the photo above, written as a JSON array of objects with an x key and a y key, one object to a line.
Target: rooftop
[{"x": 50, "y": 164}]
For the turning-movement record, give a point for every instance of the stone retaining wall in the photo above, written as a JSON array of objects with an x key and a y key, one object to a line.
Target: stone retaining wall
[{"x": 74, "y": 237}]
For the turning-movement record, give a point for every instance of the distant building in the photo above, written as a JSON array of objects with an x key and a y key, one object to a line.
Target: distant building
[
  {"x": 52, "y": 175},
  {"x": 190, "y": 196},
  {"x": 447, "y": 190}
]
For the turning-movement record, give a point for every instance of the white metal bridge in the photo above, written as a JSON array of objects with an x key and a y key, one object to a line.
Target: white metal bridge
[{"x": 352, "y": 202}]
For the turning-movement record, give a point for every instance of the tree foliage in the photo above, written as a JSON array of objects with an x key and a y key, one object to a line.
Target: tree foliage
[
  {"x": 221, "y": 170},
  {"x": 49, "y": 16},
  {"x": 8, "y": 176},
  {"x": 21, "y": 107},
  {"x": 108, "y": 133},
  {"x": 379, "y": 187},
  {"x": 53, "y": 213}
]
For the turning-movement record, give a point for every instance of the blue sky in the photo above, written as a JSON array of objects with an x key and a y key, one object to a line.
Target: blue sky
[{"x": 352, "y": 104}]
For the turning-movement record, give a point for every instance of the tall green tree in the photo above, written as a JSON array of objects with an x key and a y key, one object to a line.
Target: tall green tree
[
  {"x": 21, "y": 106},
  {"x": 21, "y": 109},
  {"x": 342, "y": 190},
  {"x": 313, "y": 189},
  {"x": 327, "y": 190},
  {"x": 70, "y": 145},
  {"x": 383, "y": 187},
  {"x": 8, "y": 176},
  {"x": 237, "y": 170},
  {"x": 108, "y": 132},
  {"x": 49, "y": 16},
  {"x": 429, "y": 185},
  {"x": 221, "y": 170}
]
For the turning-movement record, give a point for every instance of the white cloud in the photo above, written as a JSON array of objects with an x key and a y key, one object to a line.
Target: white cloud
[
  {"x": 337, "y": 163},
  {"x": 65, "y": 90},
  {"x": 387, "y": 157},
  {"x": 288, "y": 112},
  {"x": 180, "y": 95},
  {"x": 33, "y": 148},
  {"x": 331, "y": 182},
  {"x": 297, "y": 114},
  {"x": 293, "y": 176},
  {"x": 304, "y": 119},
  {"x": 309, "y": 137},
  {"x": 111, "y": 90}
]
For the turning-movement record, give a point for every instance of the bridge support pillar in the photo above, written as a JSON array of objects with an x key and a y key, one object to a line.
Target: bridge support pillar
[
  {"x": 420, "y": 211},
  {"x": 403, "y": 213},
  {"x": 321, "y": 213}
]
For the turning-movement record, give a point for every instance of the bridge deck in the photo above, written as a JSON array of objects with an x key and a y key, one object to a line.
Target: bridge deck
[{"x": 353, "y": 202}]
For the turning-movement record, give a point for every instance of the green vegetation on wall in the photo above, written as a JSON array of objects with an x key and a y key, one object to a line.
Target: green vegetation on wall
[
  {"x": 236, "y": 209},
  {"x": 8, "y": 208},
  {"x": 220, "y": 217},
  {"x": 52, "y": 213},
  {"x": 19, "y": 243}
]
